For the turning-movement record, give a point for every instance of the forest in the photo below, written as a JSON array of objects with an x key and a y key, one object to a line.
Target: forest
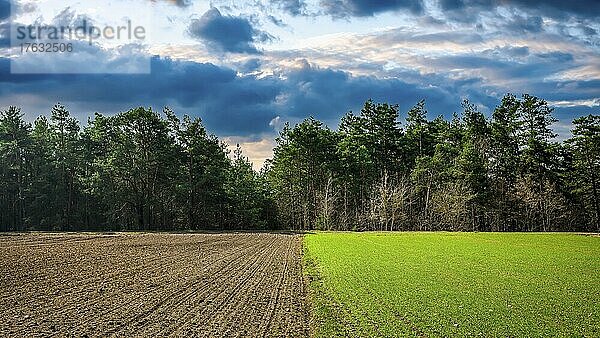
[{"x": 378, "y": 170}]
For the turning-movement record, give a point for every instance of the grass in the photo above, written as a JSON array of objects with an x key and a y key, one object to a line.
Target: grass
[{"x": 454, "y": 284}]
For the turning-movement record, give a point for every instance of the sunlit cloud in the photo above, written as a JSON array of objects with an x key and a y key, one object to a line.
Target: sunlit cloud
[
  {"x": 594, "y": 102},
  {"x": 257, "y": 151}
]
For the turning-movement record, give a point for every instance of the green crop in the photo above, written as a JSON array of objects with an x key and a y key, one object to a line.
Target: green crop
[{"x": 454, "y": 284}]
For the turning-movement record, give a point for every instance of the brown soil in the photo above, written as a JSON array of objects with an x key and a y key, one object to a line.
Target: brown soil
[{"x": 152, "y": 285}]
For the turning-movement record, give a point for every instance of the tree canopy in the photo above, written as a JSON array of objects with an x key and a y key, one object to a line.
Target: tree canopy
[{"x": 148, "y": 170}]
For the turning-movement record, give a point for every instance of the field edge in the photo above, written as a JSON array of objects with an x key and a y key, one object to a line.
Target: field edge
[{"x": 321, "y": 306}]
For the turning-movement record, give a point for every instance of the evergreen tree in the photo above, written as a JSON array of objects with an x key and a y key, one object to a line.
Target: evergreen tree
[
  {"x": 65, "y": 158},
  {"x": 421, "y": 135},
  {"x": 473, "y": 163},
  {"x": 250, "y": 201},
  {"x": 586, "y": 150},
  {"x": 138, "y": 166},
  {"x": 204, "y": 172},
  {"x": 143, "y": 170},
  {"x": 504, "y": 161},
  {"x": 301, "y": 169},
  {"x": 15, "y": 148},
  {"x": 537, "y": 160},
  {"x": 44, "y": 211}
]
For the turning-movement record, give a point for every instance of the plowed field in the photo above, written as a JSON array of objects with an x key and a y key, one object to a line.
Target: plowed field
[{"x": 152, "y": 285}]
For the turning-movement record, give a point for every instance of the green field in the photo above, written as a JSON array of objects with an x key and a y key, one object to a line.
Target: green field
[{"x": 454, "y": 284}]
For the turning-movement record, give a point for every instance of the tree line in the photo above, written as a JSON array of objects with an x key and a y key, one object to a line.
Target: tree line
[
  {"x": 145, "y": 170},
  {"x": 469, "y": 173},
  {"x": 136, "y": 170}
]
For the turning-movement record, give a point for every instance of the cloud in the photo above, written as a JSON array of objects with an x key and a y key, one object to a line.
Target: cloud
[
  {"x": 229, "y": 103},
  {"x": 292, "y": 7},
  {"x": 70, "y": 18},
  {"x": 276, "y": 123},
  {"x": 587, "y": 30},
  {"x": 327, "y": 94},
  {"x": 530, "y": 24},
  {"x": 511, "y": 51},
  {"x": 4, "y": 9},
  {"x": 557, "y": 57},
  {"x": 361, "y": 8},
  {"x": 4, "y": 34},
  {"x": 254, "y": 105},
  {"x": 593, "y": 102},
  {"x": 557, "y": 8},
  {"x": 239, "y": 90},
  {"x": 456, "y": 9},
  {"x": 455, "y": 55},
  {"x": 182, "y": 3},
  {"x": 5, "y": 12},
  {"x": 178, "y": 3},
  {"x": 256, "y": 150},
  {"x": 225, "y": 33},
  {"x": 276, "y": 21}
]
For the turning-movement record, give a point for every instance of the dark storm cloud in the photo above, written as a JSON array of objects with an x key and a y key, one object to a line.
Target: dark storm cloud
[
  {"x": 449, "y": 5},
  {"x": 327, "y": 94},
  {"x": 515, "y": 65},
  {"x": 227, "y": 33},
  {"x": 553, "y": 8},
  {"x": 230, "y": 104},
  {"x": 349, "y": 8},
  {"x": 584, "y": 8},
  {"x": 249, "y": 65}
]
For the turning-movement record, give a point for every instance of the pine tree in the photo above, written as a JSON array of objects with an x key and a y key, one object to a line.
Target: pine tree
[
  {"x": 419, "y": 139},
  {"x": 204, "y": 172},
  {"x": 586, "y": 150},
  {"x": 66, "y": 159},
  {"x": 44, "y": 211},
  {"x": 537, "y": 158},
  {"x": 15, "y": 147},
  {"x": 473, "y": 163},
  {"x": 301, "y": 167},
  {"x": 504, "y": 160}
]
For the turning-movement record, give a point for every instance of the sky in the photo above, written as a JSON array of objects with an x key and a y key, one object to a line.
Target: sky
[{"x": 248, "y": 67}]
